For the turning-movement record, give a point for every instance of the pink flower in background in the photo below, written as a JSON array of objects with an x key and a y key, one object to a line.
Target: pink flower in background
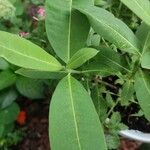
[
  {"x": 41, "y": 11},
  {"x": 36, "y": 13},
  {"x": 23, "y": 34}
]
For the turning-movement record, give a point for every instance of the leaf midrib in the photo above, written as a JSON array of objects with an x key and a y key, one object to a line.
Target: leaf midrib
[
  {"x": 69, "y": 31},
  {"x": 73, "y": 111},
  {"x": 117, "y": 64},
  {"x": 121, "y": 36},
  {"x": 11, "y": 50}
]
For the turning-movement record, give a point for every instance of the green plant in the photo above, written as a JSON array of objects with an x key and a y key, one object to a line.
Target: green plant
[
  {"x": 11, "y": 85},
  {"x": 7, "y": 117},
  {"x": 7, "y": 9},
  {"x": 8, "y": 108},
  {"x": 116, "y": 50},
  {"x": 10, "y": 138}
]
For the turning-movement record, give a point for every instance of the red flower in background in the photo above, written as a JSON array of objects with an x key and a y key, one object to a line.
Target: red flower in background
[{"x": 21, "y": 119}]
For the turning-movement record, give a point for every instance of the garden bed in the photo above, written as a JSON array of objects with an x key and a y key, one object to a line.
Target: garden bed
[{"x": 36, "y": 125}]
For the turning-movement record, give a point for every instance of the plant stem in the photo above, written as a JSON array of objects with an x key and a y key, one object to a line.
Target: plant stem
[
  {"x": 107, "y": 84},
  {"x": 105, "y": 42},
  {"x": 119, "y": 10},
  {"x": 112, "y": 109},
  {"x": 112, "y": 93},
  {"x": 88, "y": 87},
  {"x": 73, "y": 71}
]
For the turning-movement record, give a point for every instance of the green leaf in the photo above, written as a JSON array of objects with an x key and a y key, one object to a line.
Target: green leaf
[
  {"x": 7, "y": 10},
  {"x": 73, "y": 116},
  {"x": 127, "y": 93},
  {"x": 2, "y": 128},
  {"x": 13, "y": 1},
  {"x": 143, "y": 34},
  {"x": 111, "y": 28},
  {"x": 140, "y": 7},
  {"x": 31, "y": 88},
  {"x": 113, "y": 141},
  {"x": 109, "y": 100},
  {"x": 3, "y": 64},
  {"x": 101, "y": 2},
  {"x": 67, "y": 29},
  {"x": 80, "y": 57},
  {"x": 9, "y": 114},
  {"x": 115, "y": 118},
  {"x": 114, "y": 124},
  {"x": 142, "y": 88},
  {"x": 7, "y": 78},
  {"x": 7, "y": 98},
  {"x": 107, "y": 62},
  {"x": 93, "y": 39},
  {"x": 99, "y": 102},
  {"x": 35, "y": 74},
  {"x": 23, "y": 53},
  {"x": 145, "y": 60},
  {"x": 8, "y": 128}
]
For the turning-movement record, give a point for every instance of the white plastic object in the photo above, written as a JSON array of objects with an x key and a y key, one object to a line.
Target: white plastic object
[{"x": 136, "y": 135}]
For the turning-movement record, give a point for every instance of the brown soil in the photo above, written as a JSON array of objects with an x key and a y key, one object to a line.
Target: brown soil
[
  {"x": 133, "y": 122},
  {"x": 137, "y": 123},
  {"x": 129, "y": 145},
  {"x": 36, "y": 135}
]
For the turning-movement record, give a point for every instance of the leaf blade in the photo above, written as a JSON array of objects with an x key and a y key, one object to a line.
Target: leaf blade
[
  {"x": 9, "y": 114},
  {"x": 81, "y": 57},
  {"x": 107, "y": 62},
  {"x": 36, "y": 74},
  {"x": 77, "y": 129},
  {"x": 8, "y": 78},
  {"x": 3, "y": 64},
  {"x": 23, "y": 53},
  {"x": 7, "y": 98},
  {"x": 142, "y": 88},
  {"x": 143, "y": 34},
  {"x": 145, "y": 61},
  {"x": 31, "y": 88},
  {"x": 74, "y": 25},
  {"x": 127, "y": 92},
  {"x": 111, "y": 28},
  {"x": 140, "y": 8}
]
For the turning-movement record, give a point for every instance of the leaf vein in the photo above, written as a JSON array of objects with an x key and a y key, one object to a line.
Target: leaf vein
[
  {"x": 73, "y": 110},
  {"x": 11, "y": 50}
]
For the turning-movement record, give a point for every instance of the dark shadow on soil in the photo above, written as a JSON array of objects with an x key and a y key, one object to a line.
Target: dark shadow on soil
[{"x": 36, "y": 126}]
